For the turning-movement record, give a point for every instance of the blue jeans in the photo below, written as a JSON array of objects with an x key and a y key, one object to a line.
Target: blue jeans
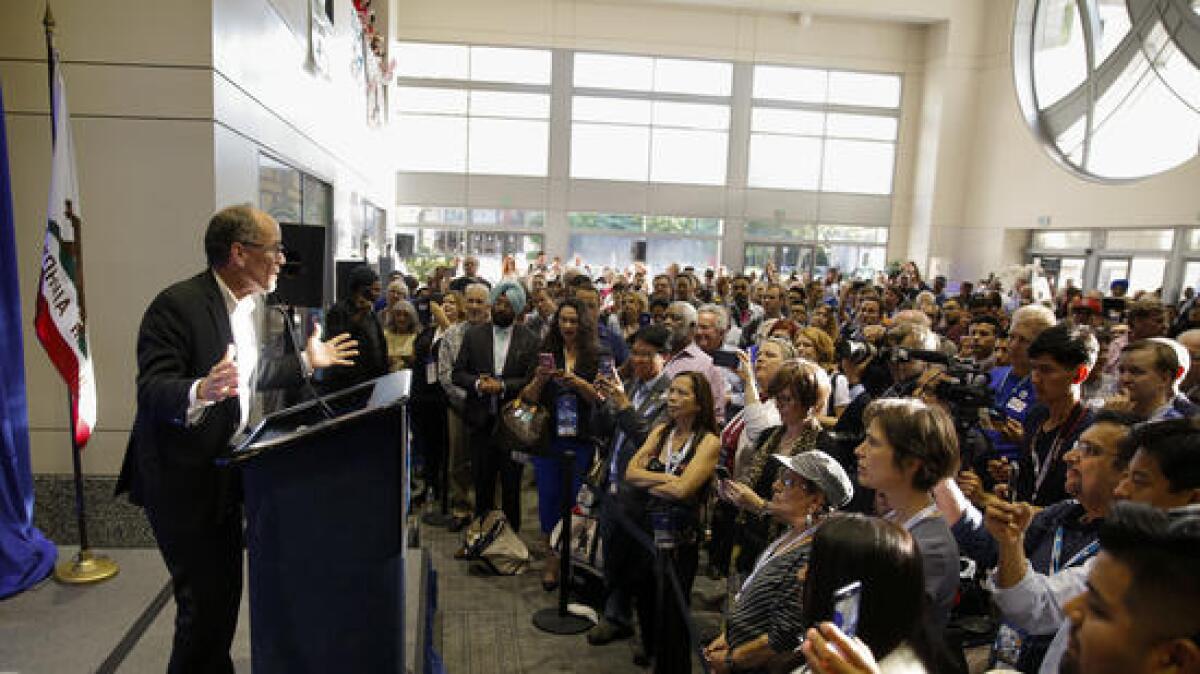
[{"x": 547, "y": 473}]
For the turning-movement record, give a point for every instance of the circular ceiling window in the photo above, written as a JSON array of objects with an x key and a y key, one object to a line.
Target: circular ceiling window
[{"x": 1111, "y": 86}]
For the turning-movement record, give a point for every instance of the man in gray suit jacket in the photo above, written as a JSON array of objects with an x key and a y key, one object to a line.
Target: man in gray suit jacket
[
  {"x": 493, "y": 365},
  {"x": 632, "y": 411}
]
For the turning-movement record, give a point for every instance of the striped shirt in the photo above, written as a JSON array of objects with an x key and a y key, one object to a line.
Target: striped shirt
[{"x": 770, "y": 604}]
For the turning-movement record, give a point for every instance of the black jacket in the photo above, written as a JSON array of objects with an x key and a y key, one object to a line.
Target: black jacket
[
  {"x": 372, "y": 358},
  {"x": 169, "y": 466},
  {"x": 475, "y": 359}
]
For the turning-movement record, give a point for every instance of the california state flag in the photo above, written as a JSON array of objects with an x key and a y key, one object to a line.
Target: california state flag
[{"x": 61, "y": 318}]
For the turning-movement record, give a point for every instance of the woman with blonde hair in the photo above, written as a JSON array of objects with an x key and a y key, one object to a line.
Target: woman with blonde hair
[{"x": 626, "y": 320}]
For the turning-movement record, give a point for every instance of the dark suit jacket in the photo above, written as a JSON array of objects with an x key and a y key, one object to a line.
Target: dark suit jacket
[
  {"x": 475, "y": 358},
  {"x": 169, "y": 466}
]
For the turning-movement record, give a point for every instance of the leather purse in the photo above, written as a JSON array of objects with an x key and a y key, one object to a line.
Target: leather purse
[{"x": 525, "y": 425}]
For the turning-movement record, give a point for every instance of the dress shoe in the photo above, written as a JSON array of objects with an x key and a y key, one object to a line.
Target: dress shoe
[
  {"x": 550, "y": 573},
  {"x": 607, "y": 632}
]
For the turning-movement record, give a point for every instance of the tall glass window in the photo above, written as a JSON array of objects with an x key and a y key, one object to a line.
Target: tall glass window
[
  {"x": 822, "y": 130},
  {"x": 646, "y": 119},
  {"x": 465, "y": 109}
]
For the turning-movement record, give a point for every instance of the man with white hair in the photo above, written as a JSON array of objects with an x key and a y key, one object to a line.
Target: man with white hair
[
  {"x": 470, "y": 275},
  {"x": 1012, "y": 383},
  {"x": 1190, "y": 386},
  {"x": 712, "y": 328},
  {"x": 458, "y": 466},
  {"x": 687, "y": 356}
]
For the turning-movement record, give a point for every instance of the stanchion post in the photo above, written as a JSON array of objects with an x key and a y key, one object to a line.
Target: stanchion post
[{"x": 559, "y": 620}]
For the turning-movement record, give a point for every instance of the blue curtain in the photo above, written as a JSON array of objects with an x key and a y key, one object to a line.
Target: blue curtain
[{"x": 26, "y": 557}]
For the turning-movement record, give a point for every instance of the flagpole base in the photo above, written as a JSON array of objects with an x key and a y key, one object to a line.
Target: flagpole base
[{"x": 86, "y": 567}]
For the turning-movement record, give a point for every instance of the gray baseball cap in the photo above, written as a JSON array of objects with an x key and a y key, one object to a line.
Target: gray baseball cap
[{"x": 824, "y": 471}]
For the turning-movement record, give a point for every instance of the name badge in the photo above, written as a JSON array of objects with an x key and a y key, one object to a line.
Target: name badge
[
  {"x": 1016, "y": 404},
  {"x": 567, "y": 414}
]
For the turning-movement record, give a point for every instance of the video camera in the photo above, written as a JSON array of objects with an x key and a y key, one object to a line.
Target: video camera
[{"x": 963, "y": 385}]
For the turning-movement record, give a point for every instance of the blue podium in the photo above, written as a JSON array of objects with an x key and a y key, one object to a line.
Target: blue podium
[{"x": 325, "y": 491}]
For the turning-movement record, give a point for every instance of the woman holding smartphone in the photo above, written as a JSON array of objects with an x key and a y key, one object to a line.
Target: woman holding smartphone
[
  {"x": 909, "y": 447},
  {"x": 892, "y": 619},
  {"x": 567, "y": 365},
  {"x": 674, "y": 467}
]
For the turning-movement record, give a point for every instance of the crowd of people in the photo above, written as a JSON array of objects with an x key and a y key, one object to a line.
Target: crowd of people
[{"x": 799, "y": 435}]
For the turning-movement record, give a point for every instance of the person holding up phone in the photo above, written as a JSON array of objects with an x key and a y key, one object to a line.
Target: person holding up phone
[
  {"x": 893, "y": 633},
  {"x": 568, "y": 361}
]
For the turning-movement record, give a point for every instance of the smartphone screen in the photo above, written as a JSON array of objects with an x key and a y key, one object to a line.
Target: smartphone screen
[
  {"x": 725, "y": 359},
  {"x": 546, "y": 360},
  {"x": 845, "y": 608}
]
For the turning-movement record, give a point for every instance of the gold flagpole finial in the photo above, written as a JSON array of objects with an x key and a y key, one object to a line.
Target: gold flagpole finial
[{"x": 48, "y": 19}]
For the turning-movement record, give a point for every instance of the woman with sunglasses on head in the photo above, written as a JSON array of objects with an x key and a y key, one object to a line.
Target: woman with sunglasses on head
[
  {"x": 766, "y": 617},
  {"x": 799, "y": 389},
  {"x": 674, "y": 467}
]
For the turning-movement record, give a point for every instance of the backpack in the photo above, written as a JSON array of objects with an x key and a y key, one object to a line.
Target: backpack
[{"x": 492, "y": 541}]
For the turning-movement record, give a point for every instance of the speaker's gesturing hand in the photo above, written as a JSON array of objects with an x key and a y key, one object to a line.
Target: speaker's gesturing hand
[{"x": 221, "y": 382}]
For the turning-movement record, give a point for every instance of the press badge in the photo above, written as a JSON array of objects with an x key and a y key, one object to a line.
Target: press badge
[
  {"x": 1007, "y": 646},
  {"x": 1016, "y": 404},
  {"x": 566, "y": 408}
]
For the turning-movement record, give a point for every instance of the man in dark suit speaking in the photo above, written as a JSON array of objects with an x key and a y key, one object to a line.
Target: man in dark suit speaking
[{"x": 198, "y": 364}]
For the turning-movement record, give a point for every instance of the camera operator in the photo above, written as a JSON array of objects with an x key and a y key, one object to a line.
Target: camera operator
[{"x": 905, "y": 337}]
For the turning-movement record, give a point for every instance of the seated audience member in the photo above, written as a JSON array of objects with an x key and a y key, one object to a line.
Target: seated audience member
[
  {"x": 1139, "y": 611},
  {"x": 799, "y": 390},
  {"x": 894, "y": 628},
  {"x": 674, "y": 467},
  {"x": 766, "y": 618},
  {"x": 1060, "y": 536},
  {"x": 910, "y": 447},
  {"x": 1151, "y": 370},
  {"x": 1033, "y": 601}
]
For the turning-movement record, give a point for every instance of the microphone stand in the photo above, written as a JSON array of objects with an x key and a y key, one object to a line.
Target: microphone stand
[{"x": 289, "y": 315}]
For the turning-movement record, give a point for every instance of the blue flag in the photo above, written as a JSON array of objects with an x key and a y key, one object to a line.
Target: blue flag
[{"x": 26, "y": 557}]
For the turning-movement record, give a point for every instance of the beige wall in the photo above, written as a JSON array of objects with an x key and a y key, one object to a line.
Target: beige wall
[{"x": 168, "y": 122}]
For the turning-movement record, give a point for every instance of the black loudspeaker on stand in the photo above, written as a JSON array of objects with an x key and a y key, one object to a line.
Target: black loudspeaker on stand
[{"x": 558, "y": 619}]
